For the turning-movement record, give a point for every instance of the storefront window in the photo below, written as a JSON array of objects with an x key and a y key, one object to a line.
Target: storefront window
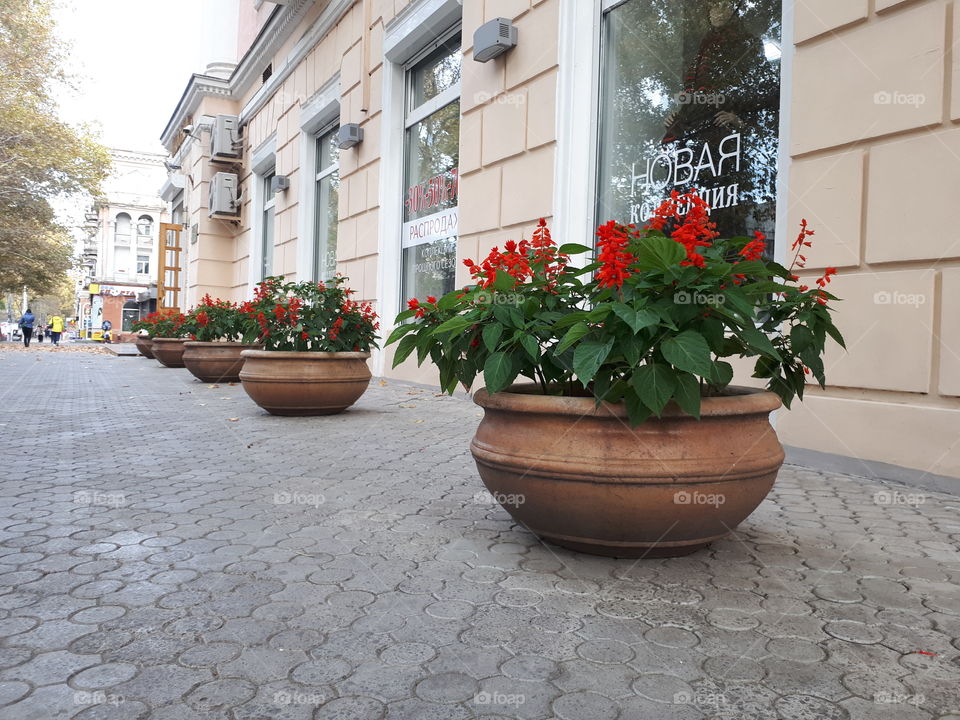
[
  {"x": 691, "y": 100},
  {"x": 327, "y": 194},
  {"x": 431, "y": 158},
  {"x": 266, "y": 238}
]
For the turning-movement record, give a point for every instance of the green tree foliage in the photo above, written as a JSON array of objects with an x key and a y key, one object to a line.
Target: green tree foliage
[{"x": 41, "y": 157}]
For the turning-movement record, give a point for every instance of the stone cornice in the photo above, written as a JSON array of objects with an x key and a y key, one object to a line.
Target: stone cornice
[{"x": 198, "y": 87}]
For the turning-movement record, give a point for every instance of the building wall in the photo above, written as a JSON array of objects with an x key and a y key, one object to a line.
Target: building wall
[
  {"x": 875, "y": 160},
  {"x": 872, "y": 147}
]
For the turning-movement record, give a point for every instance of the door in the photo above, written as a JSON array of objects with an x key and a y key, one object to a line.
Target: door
[{"x": 168, "y": 269}]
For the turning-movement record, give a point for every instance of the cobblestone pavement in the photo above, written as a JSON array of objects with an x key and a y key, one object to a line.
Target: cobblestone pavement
[{"x": 177, "y": 553}]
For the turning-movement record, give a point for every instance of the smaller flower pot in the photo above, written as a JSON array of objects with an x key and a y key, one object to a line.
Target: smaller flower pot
[
  {"x": 214, "y": 362},
  {"x": 169, "y": 351},
  {"x": 304, "y": 383},
  {"x": 145, "y": 346}
]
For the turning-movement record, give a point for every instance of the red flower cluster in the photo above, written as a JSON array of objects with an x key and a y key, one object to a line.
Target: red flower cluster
[
  {"x": 613, "y": 256},
  {"x": 536, "y": 259},
  {"x": 695, "y": 229}
]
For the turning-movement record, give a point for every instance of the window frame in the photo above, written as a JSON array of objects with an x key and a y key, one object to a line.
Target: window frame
[
  {"x": 267, "y": 230},
  {"x": 319, "y": 269}
]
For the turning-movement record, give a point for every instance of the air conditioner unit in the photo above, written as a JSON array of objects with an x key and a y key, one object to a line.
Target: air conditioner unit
[
  {"x": 225, "y": 142},
  {"x": 224, "y": 199}
]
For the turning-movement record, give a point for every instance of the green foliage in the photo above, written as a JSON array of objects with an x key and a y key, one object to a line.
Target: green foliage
[
  {"x": 309, "y": 316},
  {"x": 661, "y": 335},
  {"x": 41, "y": 157}
]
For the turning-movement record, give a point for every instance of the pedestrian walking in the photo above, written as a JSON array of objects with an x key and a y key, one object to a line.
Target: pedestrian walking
[
  {"x": 38, "y": 332},
  {"x": 106, "y": 328},
  {"x": 26, "y": 326},
  {"x": 56, "y": 330}
]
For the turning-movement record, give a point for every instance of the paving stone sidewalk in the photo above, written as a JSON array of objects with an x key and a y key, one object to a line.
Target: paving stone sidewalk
[{"x": 169, "y": 551}]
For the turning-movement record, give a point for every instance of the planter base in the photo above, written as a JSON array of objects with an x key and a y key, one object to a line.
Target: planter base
[
  {"x": 625, "y": 551},
  {"x": 169, "y": 351},
  {"x": 215, "y": 362}
]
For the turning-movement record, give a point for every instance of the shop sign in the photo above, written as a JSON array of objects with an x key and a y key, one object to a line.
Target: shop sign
[
  {"x": 431, "y": 228},
  {"x": 117, "y": 290}
]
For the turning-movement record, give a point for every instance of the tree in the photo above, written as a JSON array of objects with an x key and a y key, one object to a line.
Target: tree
[{"x": 41, "y": 157}]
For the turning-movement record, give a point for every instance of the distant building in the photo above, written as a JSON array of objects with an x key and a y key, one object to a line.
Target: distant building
[{"x": 119, "y": 255}]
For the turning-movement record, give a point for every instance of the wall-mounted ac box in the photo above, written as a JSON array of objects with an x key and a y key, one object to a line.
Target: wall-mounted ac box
[
  {"x": 224, "y": 197},
  {"x": 225, "y": 143}
]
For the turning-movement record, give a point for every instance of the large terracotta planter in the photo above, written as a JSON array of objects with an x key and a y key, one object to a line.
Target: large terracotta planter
[
  {"x": 215, "y": 361},
  {"x": 581, "y": 477},
  {"x": 304, "y": 383},
  {"x": 169, "y": 351},
  {"x": 145, "y": 346}
]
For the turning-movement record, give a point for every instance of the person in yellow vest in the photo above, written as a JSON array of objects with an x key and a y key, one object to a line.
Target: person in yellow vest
[{"x": 56, "y": 329}]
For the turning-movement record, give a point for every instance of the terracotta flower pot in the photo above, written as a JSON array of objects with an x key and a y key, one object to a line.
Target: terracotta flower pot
[
  {"x": 304, "y": 383},
  {"x": 169, "y": 351},
  {"x": 581, "y": 477},
  {"x": 215, "y": 361},
  {"x": 145, "y": 346}
]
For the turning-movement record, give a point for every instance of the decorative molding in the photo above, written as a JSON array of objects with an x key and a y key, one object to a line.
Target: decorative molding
[
  {"x": 328, "y": 19},
  {"x": 198, "y": 87}
]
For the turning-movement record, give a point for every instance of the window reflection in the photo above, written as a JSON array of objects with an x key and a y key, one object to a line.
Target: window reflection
[{"x": 691, "y": 93}]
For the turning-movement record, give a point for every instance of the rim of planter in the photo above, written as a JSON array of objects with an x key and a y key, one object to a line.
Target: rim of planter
[
  {"x": 524, "y": 397},
  {"x": 219, "y": 343},
  {"x": 180, "y": 340},
  {"x": 305, "y": 355}
]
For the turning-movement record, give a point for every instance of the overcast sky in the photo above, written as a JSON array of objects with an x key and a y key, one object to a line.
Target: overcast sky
[{"x": 132, "y": 59}]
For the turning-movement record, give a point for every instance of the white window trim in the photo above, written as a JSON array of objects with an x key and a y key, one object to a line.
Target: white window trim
[
  {"x": 575, "y": 188},
  {"x": 317, "y": 272},
  {"x": 263, "y": 161},
  {"x": 320, "y": 112},
  {"x": 404, "y": 38}
]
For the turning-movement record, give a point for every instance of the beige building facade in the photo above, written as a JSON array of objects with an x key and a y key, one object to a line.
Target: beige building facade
[{"x": 843, "y": 113}]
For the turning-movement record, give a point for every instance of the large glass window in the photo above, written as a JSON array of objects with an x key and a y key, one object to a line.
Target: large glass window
[
  {"x": 327, "y": 198},
  {"x": 143, "y": 264},
  {"x": 266, "y": 230},
  {"x": 431, "y": 178},
  {"x": 691, "y": 100}
]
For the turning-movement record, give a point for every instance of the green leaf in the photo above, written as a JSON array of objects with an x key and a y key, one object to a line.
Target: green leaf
[
  {"x": 654, "y": 384},
  {"x": 800, "y": 338},
  {"x": 498, "y": 372},
  {"x": 721, "y": 373},
  {"x": 491, "y": 336},
  {"x": 456, "y": 324},
  {"x": 659, "y": 253},
  {"x": 573, "y": 334},
  {"x": 400, "y": 331},
  {"x": 636, "y": 319},
  {"x": 835, "y": 334},
  {"x": 588, "y": 357},
  {"x": 687, "y": 394},
  {"x": 758, "y": 341},
  {"x": 573, "y": 249},
  {"x": 531, "y": 345},
  {"x": 637, "y": 411},
  {"x": 406, "y": 346},
  {"x": 688, "y": 351}
]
